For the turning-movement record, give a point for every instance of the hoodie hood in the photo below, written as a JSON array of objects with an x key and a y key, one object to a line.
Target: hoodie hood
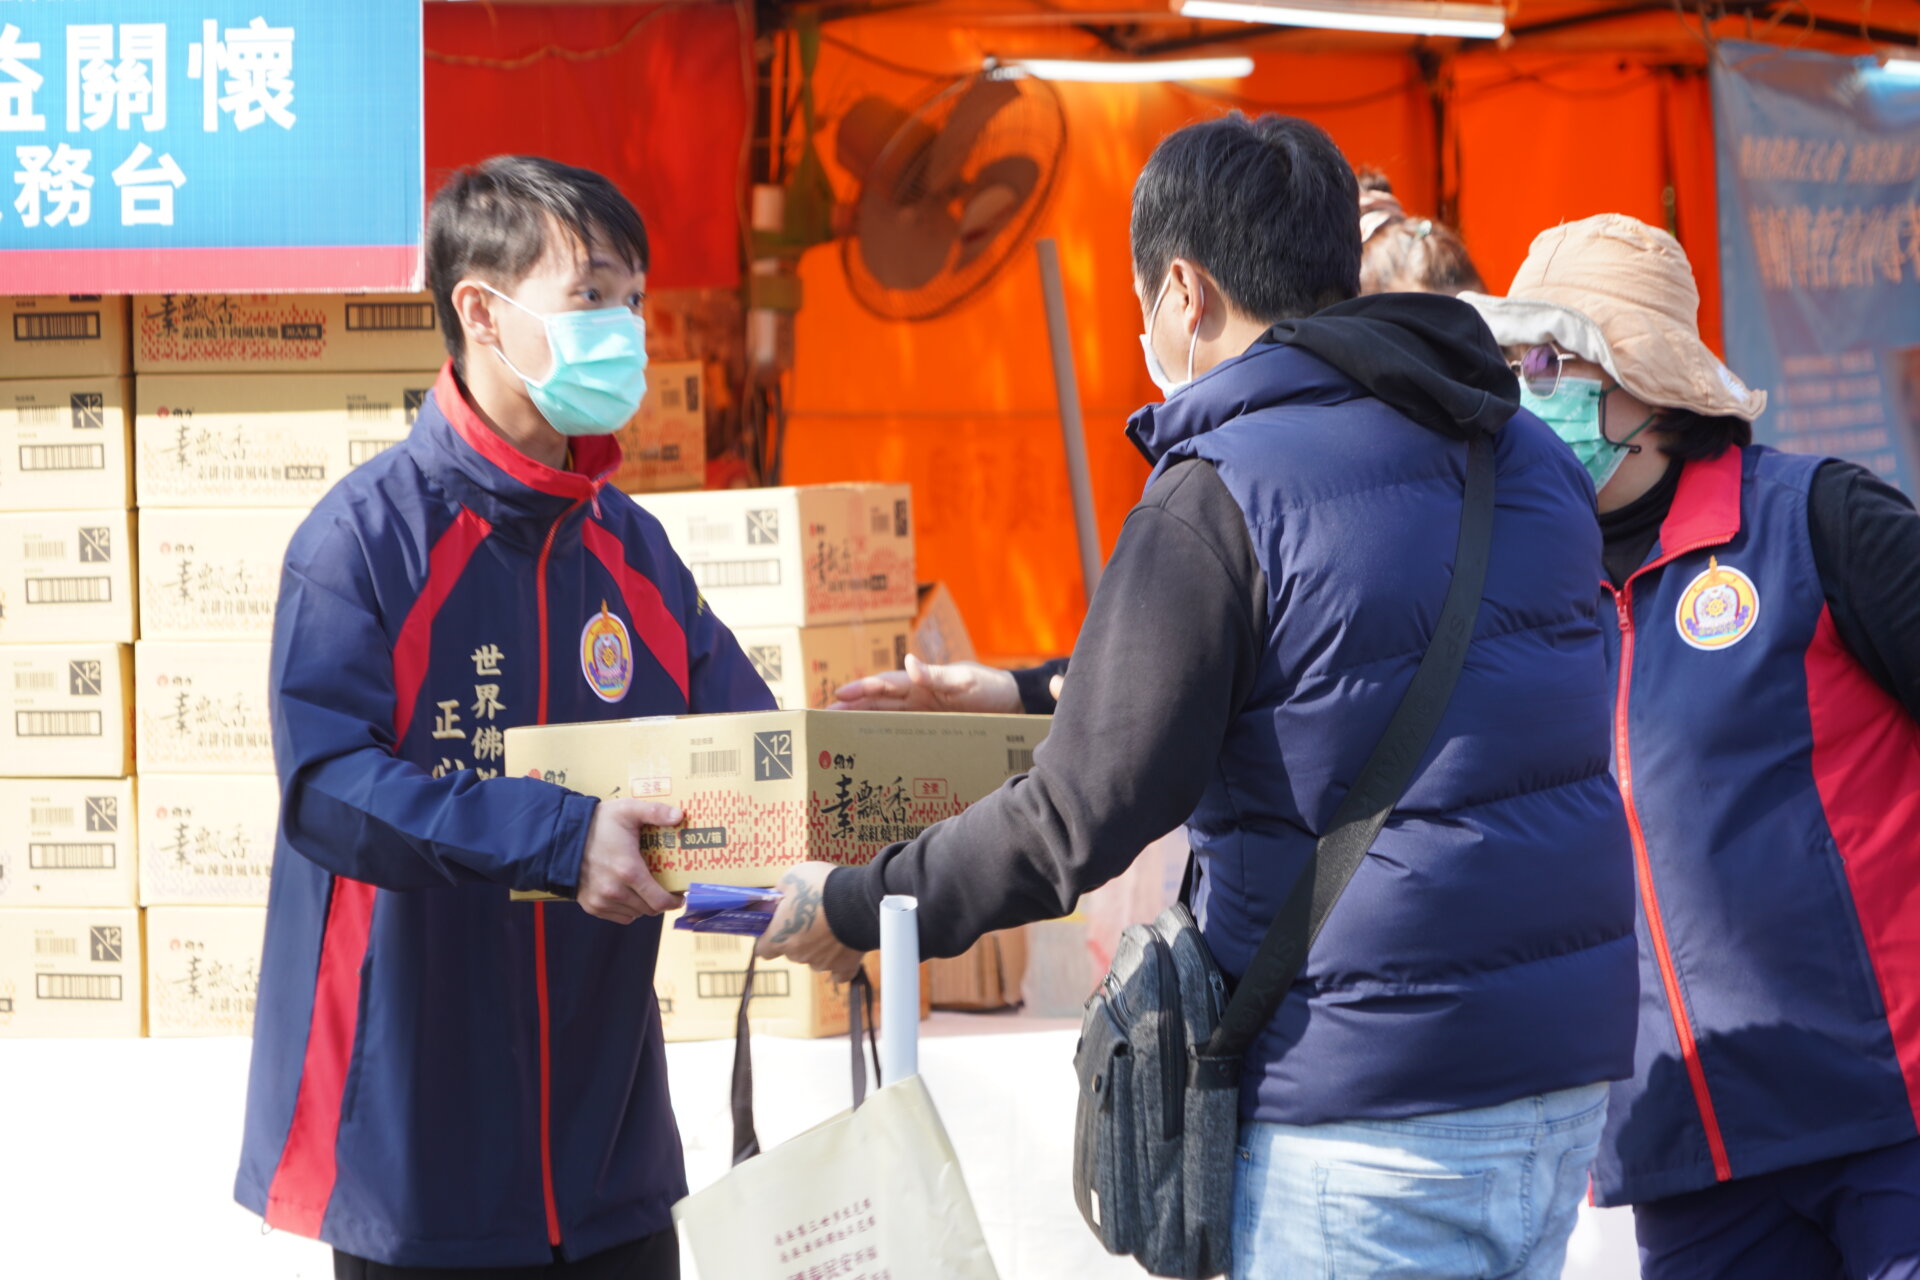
[{"x": 1427, "y": 356}]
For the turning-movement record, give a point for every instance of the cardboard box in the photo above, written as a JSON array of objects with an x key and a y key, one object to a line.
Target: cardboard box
[
  {"x": 988, "y": 976},
  {"x": 68, "y": 712},
  {"x": 67, "y": 842},
  {"x": 699, "y": 978},
  {"x": 939, "y": 632},
  {"x": 285, "y": 333},
  {"x": 70, "y": 972},
  {"x": 207, "y": 839},
  {"x": 212, "y": 575},
  {"x": 203, "y": 969},
  {"x": 763, "y": 790},
  {"x": 202, "y": 706},
  {"x": 264, "y": 440},
  {"x": 66, "y": 576},
  {"x": 64, "y": 337},
  {"x": 804, "y": 665},
  {"x": 803, "y": 557},
  {"x": 665, "y": 446},
  {"x": 66, "y": 444}
]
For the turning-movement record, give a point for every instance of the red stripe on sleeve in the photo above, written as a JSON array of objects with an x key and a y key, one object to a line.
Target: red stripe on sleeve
[
  {"x": 411, "y": 653},
  {"x": 1866, "y": 764},
  {"x": 654, "y": 623},
  {"x": 303, "y": 1184}
]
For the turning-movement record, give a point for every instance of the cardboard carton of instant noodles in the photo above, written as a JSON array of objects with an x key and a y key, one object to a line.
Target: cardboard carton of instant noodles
[{"x": 763, "y": 790}]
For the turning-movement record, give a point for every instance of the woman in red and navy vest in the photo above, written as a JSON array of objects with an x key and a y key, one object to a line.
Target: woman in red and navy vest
[{"x": 1767, "y": 745}]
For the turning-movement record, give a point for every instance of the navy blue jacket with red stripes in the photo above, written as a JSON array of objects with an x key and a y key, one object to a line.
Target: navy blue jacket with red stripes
[
  {"x": 1773, "y": 798},
  {"x": 443, "y": 1077}
]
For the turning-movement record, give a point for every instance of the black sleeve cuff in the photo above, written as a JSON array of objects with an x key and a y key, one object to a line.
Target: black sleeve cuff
[
  {"x": 853, "y": 911},
  {"x": 1036, "y": 698}
]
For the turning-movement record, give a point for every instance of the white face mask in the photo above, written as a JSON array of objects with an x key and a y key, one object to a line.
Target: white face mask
[{"x": 1155, "y": 369}]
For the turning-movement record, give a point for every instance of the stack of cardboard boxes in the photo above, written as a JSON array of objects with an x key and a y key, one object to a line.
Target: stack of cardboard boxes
[
  {"x": 818, "y": 585},
  {"x": 69, "y": 930},
  {"x": 225, "y": 418},
  {"x": 249, "y": 408}
]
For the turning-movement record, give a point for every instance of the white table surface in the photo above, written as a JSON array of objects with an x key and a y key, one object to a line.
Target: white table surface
[{"x": 117, "y": 1156}]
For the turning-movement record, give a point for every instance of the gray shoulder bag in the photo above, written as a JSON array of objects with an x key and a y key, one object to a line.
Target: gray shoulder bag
[{"x": 1162, "y": 1047}]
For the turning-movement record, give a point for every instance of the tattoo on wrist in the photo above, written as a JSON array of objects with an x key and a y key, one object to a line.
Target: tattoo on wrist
[{"x": 806, "y": 909}]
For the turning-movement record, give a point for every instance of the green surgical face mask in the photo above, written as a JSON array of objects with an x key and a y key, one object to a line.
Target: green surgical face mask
[{"x": 1577, "y": 413}]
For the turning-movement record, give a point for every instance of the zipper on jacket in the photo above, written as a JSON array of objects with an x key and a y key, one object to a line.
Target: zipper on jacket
[
  {"x": 540, "y": 913},
  {"x": 1650, "y": 903}
]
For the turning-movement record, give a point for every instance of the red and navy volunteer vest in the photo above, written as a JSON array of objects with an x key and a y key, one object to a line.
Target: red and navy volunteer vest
[
  {"x": 443, "y": 1077},
  {"x": 1484, "y": 950},
  {"x": 1773, "y": 796}
]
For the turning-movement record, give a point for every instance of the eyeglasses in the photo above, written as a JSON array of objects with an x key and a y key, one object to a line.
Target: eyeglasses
[{"x": 1540, "y": 368}]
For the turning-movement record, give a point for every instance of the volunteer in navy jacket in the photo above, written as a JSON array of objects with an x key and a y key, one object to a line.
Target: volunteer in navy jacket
[
  {"x": 1765, "y": 636},
  {"x": 1428, "y": 1097},
  {"x": 443, "y": 1078}
]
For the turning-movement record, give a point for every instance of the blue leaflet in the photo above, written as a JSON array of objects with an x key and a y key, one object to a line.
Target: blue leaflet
[{"x": 726, "y": 908}]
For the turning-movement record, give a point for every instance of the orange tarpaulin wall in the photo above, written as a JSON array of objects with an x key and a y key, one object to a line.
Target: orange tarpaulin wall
[
  {"x": 963, "y": 406},
  {"x": 655, "y": 98}
]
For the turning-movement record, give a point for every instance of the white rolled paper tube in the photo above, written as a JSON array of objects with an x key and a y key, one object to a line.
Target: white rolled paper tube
[{"x": 899, "y": 987}]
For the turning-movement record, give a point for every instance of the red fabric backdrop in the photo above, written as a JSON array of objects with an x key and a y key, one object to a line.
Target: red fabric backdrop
[{"x": 660, "y": 105}]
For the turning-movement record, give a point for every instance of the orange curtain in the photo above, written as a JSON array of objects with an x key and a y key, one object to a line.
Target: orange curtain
[
  {"x": 654, "y": 98},
  {"x": 963, "y": 406},
  {"x": 1540, "y": 139}
]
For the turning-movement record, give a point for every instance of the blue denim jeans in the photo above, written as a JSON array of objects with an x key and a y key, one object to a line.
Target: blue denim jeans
[{"x": 1466, "y": 1195}]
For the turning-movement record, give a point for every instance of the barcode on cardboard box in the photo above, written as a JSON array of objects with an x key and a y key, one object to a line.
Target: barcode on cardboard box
[
  {"x": 50, "y": 815},
  {"x": 43, "y": 549},
  {"x": 71, "y": 857},
  {"x": 77, "y": 986},
  {"x": 35, "y": 682},
  {"x": 69, "y": 590},
  {"x": 709, "y": 531},
  {"x": 56, "y": 326},
  {"x": 63, "y": 457},
  {"x": 389, "y": 316},
  {"x": 710, "y": 764},
  {"x": 737, "y": 573},
  {"x": 358, "y": 451},
  {"x": 58, "y": 724},
  {"x": 51, "y": 946},
  {"x": 37, "y": 415},
  {"x": 1019, "y": 759},
  {"x": 727, "y": 984},
  {"x": 368, "y": 411}
]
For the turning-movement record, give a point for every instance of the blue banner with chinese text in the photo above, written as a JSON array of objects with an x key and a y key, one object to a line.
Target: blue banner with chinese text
[
  {"x": 1819, "y": 173},
  {"x": 161, "y": 146}
]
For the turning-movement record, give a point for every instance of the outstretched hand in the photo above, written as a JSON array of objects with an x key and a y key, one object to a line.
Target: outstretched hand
[
  {"x": 799, "y": 930},
  {"x": 950, "y": 686}
]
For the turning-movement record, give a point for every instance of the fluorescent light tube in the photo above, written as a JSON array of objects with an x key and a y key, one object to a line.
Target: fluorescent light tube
[
  {"x": 1392, "y": 17},
  {"x": 1131, "y": 72}
]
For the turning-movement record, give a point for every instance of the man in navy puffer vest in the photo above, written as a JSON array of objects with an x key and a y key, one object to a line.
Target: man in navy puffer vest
[{"x": 1429, "y": 1096}]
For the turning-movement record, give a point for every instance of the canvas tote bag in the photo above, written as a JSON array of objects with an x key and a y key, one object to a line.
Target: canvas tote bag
[{"x": 873, "y": 1194}]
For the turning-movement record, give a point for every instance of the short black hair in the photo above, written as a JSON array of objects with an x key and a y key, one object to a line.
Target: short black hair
[
  {"x": 491, "y": 220},
  {"x": 1269, "y": 207},
  {"x": 1694, "y": 437}
]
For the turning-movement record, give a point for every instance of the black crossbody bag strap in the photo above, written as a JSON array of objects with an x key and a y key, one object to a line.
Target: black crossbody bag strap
[{"x": 1381, "y": 784}]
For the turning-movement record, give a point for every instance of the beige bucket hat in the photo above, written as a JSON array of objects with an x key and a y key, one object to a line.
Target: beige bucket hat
[{"x": 1620, "y": 293}]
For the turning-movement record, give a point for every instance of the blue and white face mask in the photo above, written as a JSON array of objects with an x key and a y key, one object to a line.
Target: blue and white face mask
[
  {"x": 1577, "y": 415},
  {"x": 599, "y": 373}
]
